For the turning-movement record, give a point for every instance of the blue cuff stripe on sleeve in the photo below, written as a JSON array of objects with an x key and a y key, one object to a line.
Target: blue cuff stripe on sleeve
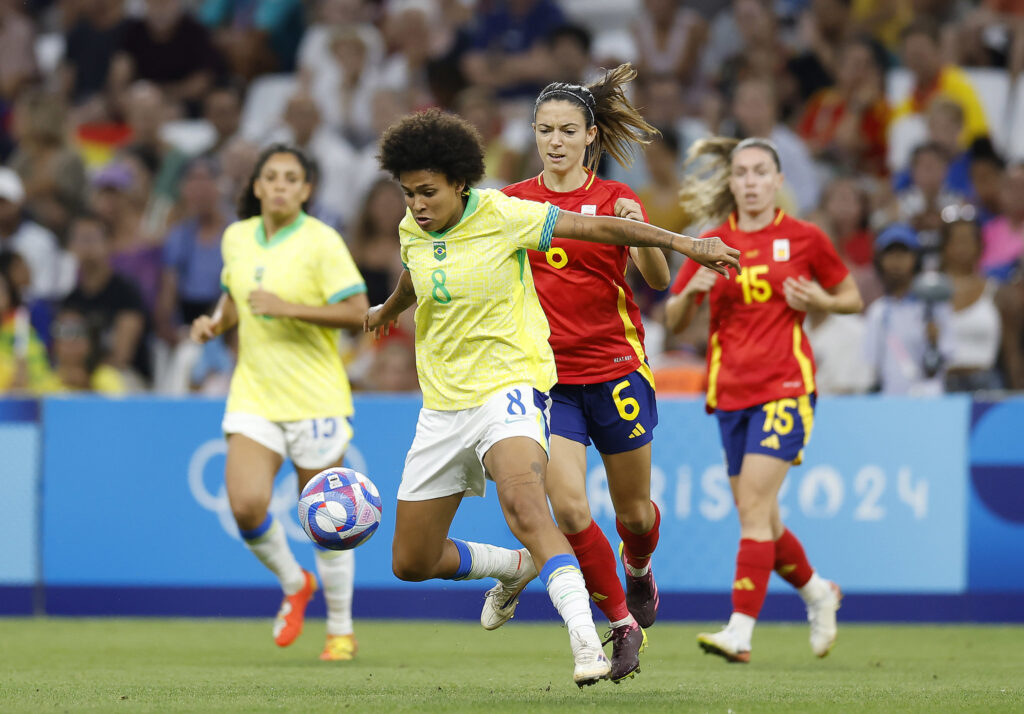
[
  {"x": 346, "y": 293},
  {"x": 259, "y": 530},
  {"x": 547, "y": 232},
  {"x": 465, "y": 559},
  {"x": 224, "y": 289}
]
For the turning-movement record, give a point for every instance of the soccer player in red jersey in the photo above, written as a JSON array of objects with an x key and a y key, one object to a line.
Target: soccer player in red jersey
[
  {"x": 760, "y": 368},
  {"x": 605, "y": 389}
]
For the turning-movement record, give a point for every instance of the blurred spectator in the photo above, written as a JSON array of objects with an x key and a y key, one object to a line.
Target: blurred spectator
[
  {"x": 256, "y": 36},
  {"x": 1010, "y": 300},
  {"x": 394, "y": 366},
  {"x": 76, "y": 354},
  {"x": 409, "y": 38},
  {"x": 756, "y": 113},
  {"x": 119, "y": 191},
  {"x": 147, "y": 114},
  {"x": 169, "y": 47},
  {"x": 50, "y": 169},
  {"x": 17, "y": 49},
  {"x": 838, "y": 344},
  {"x": 745, "y": 44},
  {"x": 53, "y": 270},
  {"x": 1004, "y": 234},
  {"x": 89, "y": 47},
  {"x": 509, "y": 53},
  {"x": 222, "y": 108},
  {"x": 19, "y": 276},
  {"x": 908, "y": 341},
  {"x": 945, "y": 121},
  {"x": 374, "y": 239},
  {"x": 502, "y": 163},
  {"x": 344, "y": 81},
  {"x": 921, "y": 204},
  {"x": 846, "y": 124},
  {"x": 984, "y": 36},
  {"x": 844, "y": 216},
  {"x": 986, "y": 171},
  {"x": 823, "y": 29},
  {"x": 660, "y": 196},
  {"x": 211, "y": 373},
  {"x": 669, "y": 38},
  {"x": 112, "y": 306},
  {"x": 883, "y": 19},
  {"x": 236, "y": 164},
  {"x": 975, "y": 322},
  {"x": 190, "y": 283},
  {"x": 334, "y": 194},
  {"x": 24, "y": 367},
  {"x": 934, "y": 78},
  {"x": 569, "y": 46}
]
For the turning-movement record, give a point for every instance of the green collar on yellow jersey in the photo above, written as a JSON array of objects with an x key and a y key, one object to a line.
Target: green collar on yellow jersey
[
  {"x": 282, "y": 234},
  {"x": 474, "y": 198}
]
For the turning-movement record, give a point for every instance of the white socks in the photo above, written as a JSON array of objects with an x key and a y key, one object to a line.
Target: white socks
[
  {"x": 815, "y": 588},
  {"x": 337, "y": 570},
  {"x": 482, "y": 560},
  {"x": 568, "y": 592},
  {"x": 269, "y": 543},
  {"x": 742, "y": 626}
]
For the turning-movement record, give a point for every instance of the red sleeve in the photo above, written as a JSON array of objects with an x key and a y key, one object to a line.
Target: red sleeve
[
  {"x": 686, "y": 273},
  {"x": 626, "y": 192},
  {"x": 826, "y": 265}
]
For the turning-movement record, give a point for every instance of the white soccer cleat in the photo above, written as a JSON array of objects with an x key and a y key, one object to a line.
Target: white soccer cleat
[
  {"x": 821, "y": 613},
  {"x": 591, "y": 663},
  {"x": 501, "y": 600},
  {"x": 725, "y": 644}
]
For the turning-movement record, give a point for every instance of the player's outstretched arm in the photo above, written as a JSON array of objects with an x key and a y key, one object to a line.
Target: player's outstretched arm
[
  {"x": 380, "y": 318},
  {"x": 206, "y": 327},
  {"x": 346, "y": 314},
  {"x": 709, "y": 252}
]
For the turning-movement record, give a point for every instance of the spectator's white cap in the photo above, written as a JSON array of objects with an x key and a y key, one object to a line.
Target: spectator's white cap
[{"x": 11, "y": 187}]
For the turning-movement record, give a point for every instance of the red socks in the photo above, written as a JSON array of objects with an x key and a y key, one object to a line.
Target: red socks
[
  {"x": 640, "y": 547},
  {"x": 600, "y": 571},
  {"x": 753, "y": 569},
  {"x": 791, "y": 561}
]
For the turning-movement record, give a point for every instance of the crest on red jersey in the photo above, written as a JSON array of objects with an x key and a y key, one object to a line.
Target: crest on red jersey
[{"x": 780, "y": 250}]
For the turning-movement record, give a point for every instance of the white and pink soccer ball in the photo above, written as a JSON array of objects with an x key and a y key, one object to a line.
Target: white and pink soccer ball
[{"x": 339, "y": 508}]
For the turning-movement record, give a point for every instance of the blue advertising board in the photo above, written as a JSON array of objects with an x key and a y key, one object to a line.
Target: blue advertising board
[
  {"x": 134, "y": 496},
  {"x": 19, "y": 506}
]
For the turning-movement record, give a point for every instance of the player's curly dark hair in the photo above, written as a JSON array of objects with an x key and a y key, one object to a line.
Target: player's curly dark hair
[
  {"x": 248, "y": 205},
  {"x": 433, "y": 141}
]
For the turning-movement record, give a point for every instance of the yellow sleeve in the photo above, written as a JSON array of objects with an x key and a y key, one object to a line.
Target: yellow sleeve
[
  {"x": 339, "y": 277},
  {"x": 225, "y": 255},
  {"x": 528, "y": 224}
]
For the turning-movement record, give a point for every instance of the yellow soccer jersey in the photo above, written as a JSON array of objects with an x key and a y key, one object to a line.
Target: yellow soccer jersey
[
  {"x": 479, "y": 324},
  {"x": 288, "y": 369}
]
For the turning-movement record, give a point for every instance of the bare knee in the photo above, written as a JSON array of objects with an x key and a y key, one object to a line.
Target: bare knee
[
  {"x": 249, "y": 515},
  {"x": 753, "y": 511},
  {"x": 636, "y": 517},
  {"x": 526, "y": 516},
  {"x": 572, "y": 516}
]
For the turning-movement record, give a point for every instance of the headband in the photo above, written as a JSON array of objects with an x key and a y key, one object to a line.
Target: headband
[{"x": 578, "y": 92}]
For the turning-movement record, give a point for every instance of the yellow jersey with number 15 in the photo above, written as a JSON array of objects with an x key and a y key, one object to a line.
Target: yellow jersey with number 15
[
  {"x": 288, "y": 370},
  {"x": 479, "y": 324}
]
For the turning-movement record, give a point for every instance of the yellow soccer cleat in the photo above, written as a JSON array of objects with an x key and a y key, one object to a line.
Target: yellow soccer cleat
[{"x": 340, "y": 648}]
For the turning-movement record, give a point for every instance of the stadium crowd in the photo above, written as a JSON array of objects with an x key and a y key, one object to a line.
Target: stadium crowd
[{"x": 127, "y": 128}]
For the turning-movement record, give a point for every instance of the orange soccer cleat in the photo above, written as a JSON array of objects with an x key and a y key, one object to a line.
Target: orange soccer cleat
[{"x": 288, "y": 625}]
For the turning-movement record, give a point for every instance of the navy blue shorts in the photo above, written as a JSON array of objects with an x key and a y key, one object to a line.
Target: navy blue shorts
[
  {"x": 780, "y": 429},
  {"x": 619, "y": 415}
]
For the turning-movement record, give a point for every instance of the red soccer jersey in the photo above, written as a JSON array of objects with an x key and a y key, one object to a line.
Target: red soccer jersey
[
  {"x": 757, "y": 350},
  {"x": 596, "y": 332}
]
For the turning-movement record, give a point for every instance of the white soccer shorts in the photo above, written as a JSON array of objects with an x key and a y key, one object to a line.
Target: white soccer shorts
[
  {"x": 309, "y": 443},
  {"x": 446, "y": 456}
]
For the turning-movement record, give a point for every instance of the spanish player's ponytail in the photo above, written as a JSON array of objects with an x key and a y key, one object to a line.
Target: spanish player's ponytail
[
  {"x": 706, "y": 196},
  {"x": 620, "y": 127},
  {"x": 248, "y": 205}
]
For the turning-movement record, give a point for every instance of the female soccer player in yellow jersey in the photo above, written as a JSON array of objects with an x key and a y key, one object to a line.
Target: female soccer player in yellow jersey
[
  {"x": 485, "y": 365},
  {"x": 289, "y": 284}
]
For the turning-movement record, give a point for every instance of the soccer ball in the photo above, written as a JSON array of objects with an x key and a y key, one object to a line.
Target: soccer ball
[{"x": 339, "y": 509}]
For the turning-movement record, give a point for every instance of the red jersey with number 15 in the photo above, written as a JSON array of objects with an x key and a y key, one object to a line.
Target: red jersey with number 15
[
  {"x": 596, "y": 332},
  {"x": 757, "y": 350}
]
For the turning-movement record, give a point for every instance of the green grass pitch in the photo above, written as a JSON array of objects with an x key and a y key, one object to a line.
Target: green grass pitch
[{"x": 158, "y": 665}]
